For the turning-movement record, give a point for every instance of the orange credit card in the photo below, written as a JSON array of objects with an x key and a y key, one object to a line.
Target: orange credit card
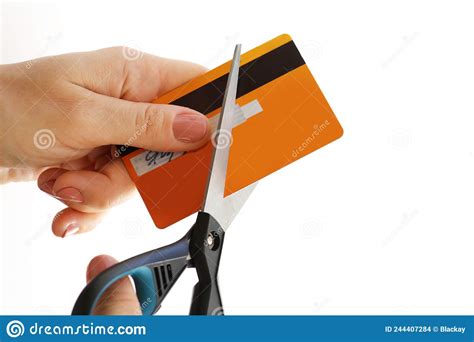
[{"x": 281, "y": 116}]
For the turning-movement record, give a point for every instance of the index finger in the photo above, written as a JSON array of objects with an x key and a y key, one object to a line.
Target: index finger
[{"x": 134, "y": 76}]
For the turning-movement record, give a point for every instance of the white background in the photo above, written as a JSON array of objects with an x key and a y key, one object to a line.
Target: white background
[{"x": 379, "y": 222}]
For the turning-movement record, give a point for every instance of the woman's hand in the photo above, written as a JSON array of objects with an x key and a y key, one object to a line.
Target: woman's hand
[
  {"x": 60, "y": 115},
  {"x": 120, "y": 298}
]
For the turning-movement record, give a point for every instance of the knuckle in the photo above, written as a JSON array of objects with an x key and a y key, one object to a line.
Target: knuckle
[
  {"x": 116, "y": 51},
  {"x": 150, "y": 122}
]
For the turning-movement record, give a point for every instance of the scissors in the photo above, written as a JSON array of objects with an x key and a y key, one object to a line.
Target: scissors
[{"x": 155, "y": 272}]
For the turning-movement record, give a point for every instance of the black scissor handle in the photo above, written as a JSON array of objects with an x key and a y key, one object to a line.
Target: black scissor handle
[
  {"x": 156, "y": 271},
  {"x": 153, "y": 272},
  {"x": 205, "y": 247}
]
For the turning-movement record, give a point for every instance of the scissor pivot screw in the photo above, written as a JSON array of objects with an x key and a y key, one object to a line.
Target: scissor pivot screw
[{"x": 212, "y": 241}]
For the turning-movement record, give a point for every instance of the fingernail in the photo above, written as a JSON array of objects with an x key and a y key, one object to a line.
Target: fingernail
[
  {"x": 69, "y": 194},
  {"x": 189, "y": 127},
  {"x": 71, "y": 229}
]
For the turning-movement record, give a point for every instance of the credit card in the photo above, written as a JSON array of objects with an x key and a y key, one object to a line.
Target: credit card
[{"x": 281, "y": 115}]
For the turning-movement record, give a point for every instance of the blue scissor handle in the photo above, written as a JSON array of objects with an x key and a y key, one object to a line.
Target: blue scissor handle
[{"x": 153, "y": 272}]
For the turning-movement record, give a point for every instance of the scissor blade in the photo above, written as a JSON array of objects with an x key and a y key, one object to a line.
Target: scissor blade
[
  {"x": 222, "y": 139},
  {"x": 231, "y": 206}
]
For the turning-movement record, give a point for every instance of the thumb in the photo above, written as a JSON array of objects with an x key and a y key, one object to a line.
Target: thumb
[
  {"x": 120, "y": 297},
  {"x": 157, "y": 127}
]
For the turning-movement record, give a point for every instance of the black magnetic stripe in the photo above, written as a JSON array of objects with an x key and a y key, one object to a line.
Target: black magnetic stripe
[{"x": 252, "y": 75}]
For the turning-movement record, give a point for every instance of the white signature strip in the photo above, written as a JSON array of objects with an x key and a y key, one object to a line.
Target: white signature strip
[{"x": 149, "y": 160}]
